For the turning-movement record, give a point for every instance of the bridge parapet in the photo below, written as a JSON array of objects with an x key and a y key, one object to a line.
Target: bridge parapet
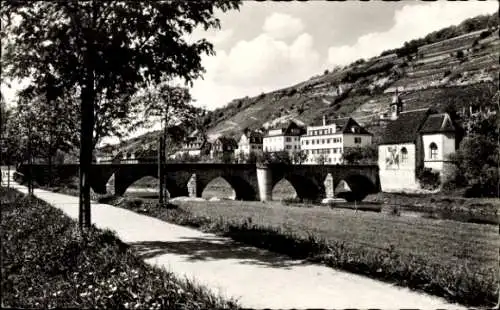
[{"x": 250, "y": 182}]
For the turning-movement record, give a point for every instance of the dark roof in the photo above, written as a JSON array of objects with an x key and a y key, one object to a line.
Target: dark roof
[
  {"x": 226, "y": 141},
  {"x": 255, "y": 137},
  {"x": 287, "y": 129},
  {"x": 438, "y": 123},
  {"x": 405, "y": 128},
  {"x": 349, "y": 124}
]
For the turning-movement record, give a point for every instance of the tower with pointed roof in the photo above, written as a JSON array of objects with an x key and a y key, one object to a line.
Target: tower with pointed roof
[{"x": 396, "y": 105}]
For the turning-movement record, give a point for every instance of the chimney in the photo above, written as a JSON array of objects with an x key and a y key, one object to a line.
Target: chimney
[{"x": 324, "y": 120}]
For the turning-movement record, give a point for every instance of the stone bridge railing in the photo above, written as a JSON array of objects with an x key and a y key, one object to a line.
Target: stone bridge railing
[{"x": 250, "y": 182}]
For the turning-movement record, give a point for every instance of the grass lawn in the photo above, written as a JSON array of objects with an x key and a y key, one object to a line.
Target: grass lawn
[
  {"x": 48, "y": 263},
  {"x": 442, "y": 241},
  {"x": 456, "y": 260}
]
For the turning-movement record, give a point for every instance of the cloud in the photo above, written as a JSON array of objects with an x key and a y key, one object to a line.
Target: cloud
[
  {"x": 281, "y": 26},
  {"x": 220, "y": 36},
  {"x": 258, "y": 65},
  {"x": 410, "y": 22}
]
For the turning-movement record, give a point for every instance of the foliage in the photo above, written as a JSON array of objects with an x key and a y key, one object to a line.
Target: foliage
[
  {"x": 428, "y": 179},
  {"x": 162, "y": 103},
  {"x": 360, "y": 155},
  {"x": 92, "y": 269},
  {"x": 468, "y": 25},
  {"x": 78, "y": 43},
  {"x": 477, "y": 161},
  {"x": 279, "y": 157},
  {"x": 299, "y": 157},
  {"x": 354, "y": 75},
  {"x": 385, "y": 251},
  {"x": 320, "y": 159}
]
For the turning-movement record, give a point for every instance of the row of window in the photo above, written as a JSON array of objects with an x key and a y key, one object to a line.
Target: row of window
[
  {"x": 323, "y": 141},
  {"x": 335, "y": 150},
  {"x": 327, "y": 160},
  {"x": 321, "y": 132}
]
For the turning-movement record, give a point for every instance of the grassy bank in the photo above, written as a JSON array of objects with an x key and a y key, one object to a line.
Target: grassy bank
[
  {"x": 47, "y": 262},
  {"x": 455, "y": 260}
]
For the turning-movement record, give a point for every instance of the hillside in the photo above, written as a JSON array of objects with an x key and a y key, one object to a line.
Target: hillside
[{"x": 453, "y": 68}]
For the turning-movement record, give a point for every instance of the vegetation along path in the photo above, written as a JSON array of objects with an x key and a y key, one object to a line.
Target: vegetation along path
[{"x": 257, "y": 278}]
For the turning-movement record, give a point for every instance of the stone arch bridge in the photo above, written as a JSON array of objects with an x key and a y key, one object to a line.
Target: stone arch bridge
[{"x": 249, "y": 181}]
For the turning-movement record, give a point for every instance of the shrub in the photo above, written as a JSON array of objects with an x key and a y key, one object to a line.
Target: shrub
[
  {"x": 428, "y": 179},
  {"x": 48, "y": 263},
  {"x": 484, "y": 34}
]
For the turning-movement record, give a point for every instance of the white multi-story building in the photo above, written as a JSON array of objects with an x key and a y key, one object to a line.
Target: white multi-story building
[
  {"x": 284, "y": 137},
  {"x": 325, "y": 143},
  {"x": 250, "y": 142}
]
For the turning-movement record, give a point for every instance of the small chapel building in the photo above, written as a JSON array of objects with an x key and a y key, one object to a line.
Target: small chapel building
[{"x": 413, "y": 140}]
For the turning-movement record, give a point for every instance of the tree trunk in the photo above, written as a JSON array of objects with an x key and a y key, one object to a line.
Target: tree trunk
[
  {"x": 86, "y": 139},
  {"x": 160, "y": 177},
  {"x": 30, "y": 160},
  {"x": 165, "y": 154}
]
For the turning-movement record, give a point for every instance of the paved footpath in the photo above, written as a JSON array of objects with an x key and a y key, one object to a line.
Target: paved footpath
[{"x": 256, "y": 278}]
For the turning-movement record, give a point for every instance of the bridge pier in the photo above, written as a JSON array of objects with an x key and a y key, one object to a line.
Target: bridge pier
[
  {"x": 329, "y": 187},
  {"x": 192, "y": 186},
  {"x": 265, "y": 183}
]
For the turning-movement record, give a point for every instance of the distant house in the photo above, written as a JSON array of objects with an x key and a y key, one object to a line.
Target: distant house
[
  {"x": 413, "y": 140},
  {"x": 250, "y": 142},
  {"x": 284, "y": 137},
  {"x": 194, "y": 145},
  {"x": 328, "y": 140},
  {"x": 223, "y": 146}
]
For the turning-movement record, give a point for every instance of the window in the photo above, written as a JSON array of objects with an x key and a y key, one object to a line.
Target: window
[
  {"x": 307, "y": 142},
  {"x": 328, "y": 141},
  {"x": 312, "y": 141},
  {"x": 433, "y": 150},
  {"x": 323, "y": 141},
  {"x": 357, "y": 140},
  {"x": 288, "y": 139},
  {"x": 404, "y": 155},
  {"x": 335, "y": 151}
]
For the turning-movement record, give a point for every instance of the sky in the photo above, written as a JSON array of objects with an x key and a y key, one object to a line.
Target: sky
[{"x": 267, "y": 45}]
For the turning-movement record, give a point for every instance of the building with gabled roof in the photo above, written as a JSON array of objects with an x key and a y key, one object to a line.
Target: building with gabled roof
[
  {"x": 284, "y": 137},
  {"x": 223, "y": 146},
  {"x": 325, "y": 142},
  {"x": 413, "y": 140},
  {"x": 251, "y": 141}
]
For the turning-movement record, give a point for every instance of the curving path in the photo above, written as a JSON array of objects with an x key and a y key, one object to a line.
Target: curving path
[{"x": 257, "y": 278}]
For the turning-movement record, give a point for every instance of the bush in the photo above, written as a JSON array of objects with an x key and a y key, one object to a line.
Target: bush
[
  {"x": 484, "y": 34},
  {"x": 48, "y": 263},
  {"x": 428, "y": 179}
]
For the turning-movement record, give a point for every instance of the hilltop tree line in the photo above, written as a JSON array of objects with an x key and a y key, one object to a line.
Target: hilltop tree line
[{"x": 469, "y": 25}]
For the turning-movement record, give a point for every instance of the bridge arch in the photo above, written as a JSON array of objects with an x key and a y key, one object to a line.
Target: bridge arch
[
  {"x": 244, "y": 189},
  {"x": 306, "y": 187},
  {"x": 360, "y": 186},
  {"x": 218, "y": 188}
]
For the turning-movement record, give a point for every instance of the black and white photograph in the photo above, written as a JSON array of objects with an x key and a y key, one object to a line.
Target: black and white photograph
[{"x": 250, "y": 154}]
